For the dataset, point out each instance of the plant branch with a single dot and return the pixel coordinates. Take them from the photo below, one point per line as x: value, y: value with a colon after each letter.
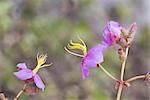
x: 136, y: 78
x: 123, y: 64
x: 122, y: 74
x: 22, y: 90
x: 105, y: 71
x: 119, y: 92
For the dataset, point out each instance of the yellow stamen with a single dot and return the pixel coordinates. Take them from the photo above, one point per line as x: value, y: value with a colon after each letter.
x: 73, y: 53
x: 79, y: 46
x: 46, y: 65
x: 41, y: 59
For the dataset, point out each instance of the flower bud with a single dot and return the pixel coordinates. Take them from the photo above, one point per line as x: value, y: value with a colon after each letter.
x: 124, y: 32
x: 111, y: 33
x: 132, y: 30
x: 122, y: 42
x: 31, y: 89
x: 121, y: 54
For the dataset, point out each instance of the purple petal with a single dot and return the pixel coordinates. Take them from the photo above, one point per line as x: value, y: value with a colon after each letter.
x: 22, y: 65
x: 111, y: 32
x: 115, y: 28
x: 24, y: 74
x: 114, y: 24
x: 94, y: 56
x: 39, y: 83
x: 85, y: 72
x: 107, y: 38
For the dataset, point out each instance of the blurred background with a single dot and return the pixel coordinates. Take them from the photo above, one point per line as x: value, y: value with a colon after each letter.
x: 46, y: 26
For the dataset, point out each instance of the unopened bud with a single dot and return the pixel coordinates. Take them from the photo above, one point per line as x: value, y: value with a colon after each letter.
x: 124, y: 32
x: 132, y: 30
x: 31, y: 90
x: 121, y: 54
x: 122, y: 42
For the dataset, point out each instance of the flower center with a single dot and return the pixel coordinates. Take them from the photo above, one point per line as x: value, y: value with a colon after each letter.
x: 41, y: 59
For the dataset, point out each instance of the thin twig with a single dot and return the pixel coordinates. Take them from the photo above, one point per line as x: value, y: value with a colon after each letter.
x: 105, y: 71
x: 123, y: 64
x: 122, y: 75
x: 22, y: 90
x: 136, y: 78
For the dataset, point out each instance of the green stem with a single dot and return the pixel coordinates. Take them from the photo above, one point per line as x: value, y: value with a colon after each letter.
x: 105, y: 71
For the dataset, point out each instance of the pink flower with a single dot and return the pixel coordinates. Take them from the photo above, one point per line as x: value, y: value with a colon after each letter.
x: 93, y: 57
x: 26, y: 74
x: 111, y: 33
x: 90, y: 58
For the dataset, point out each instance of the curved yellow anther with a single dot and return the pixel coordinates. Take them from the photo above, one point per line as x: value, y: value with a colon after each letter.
x: 73, y: 53
x: 79, y: 46
x: 41, y: 59
x: 82, y: 41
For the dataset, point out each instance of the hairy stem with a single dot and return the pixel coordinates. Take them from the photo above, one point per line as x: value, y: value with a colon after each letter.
x: 22, y: 90
x: 105, y: 71
x: 122, y: 75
